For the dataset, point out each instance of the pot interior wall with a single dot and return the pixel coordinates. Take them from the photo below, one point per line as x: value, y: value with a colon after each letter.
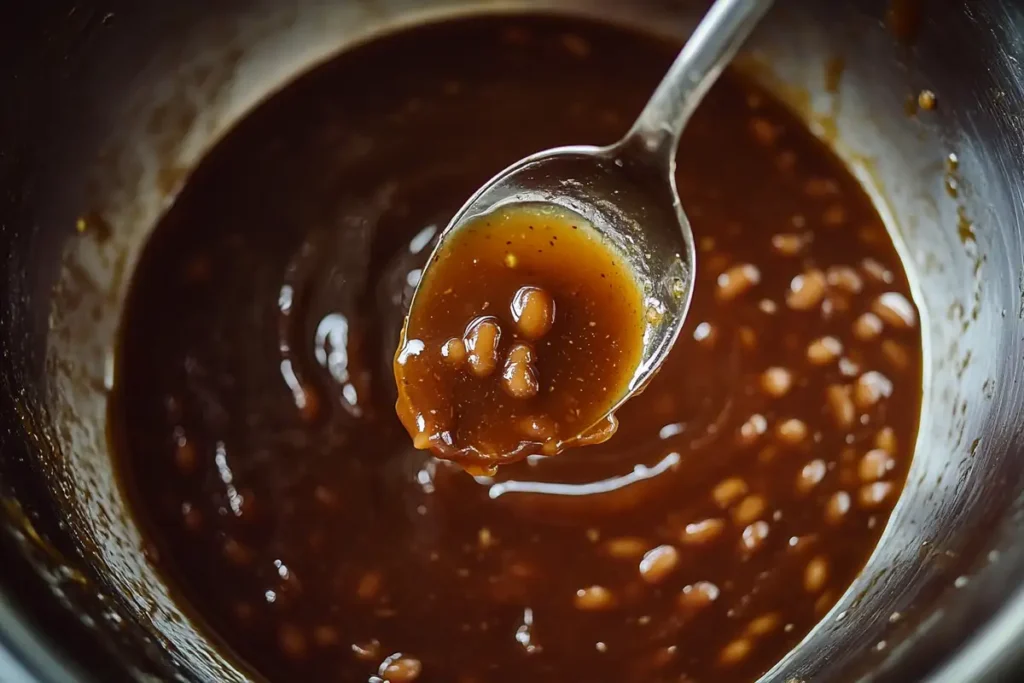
x: 152, y: 91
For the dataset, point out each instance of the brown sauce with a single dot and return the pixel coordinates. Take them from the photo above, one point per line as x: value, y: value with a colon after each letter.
x: 254, y: 414
x: 527, y: 330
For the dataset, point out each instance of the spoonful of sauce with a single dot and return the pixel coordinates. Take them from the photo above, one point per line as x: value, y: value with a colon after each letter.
x: 558, y: 289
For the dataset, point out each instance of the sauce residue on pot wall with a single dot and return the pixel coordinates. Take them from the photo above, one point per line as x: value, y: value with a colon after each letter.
x: 254, y: 409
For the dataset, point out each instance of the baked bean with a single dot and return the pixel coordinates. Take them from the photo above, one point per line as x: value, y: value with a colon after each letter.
x: 729, y: 491
x: 873, y: 495
x: 816, y: 575
x: 292, y: 641
x: 754, y: 427
x: 511, y: 261
x: 754, y: 536
x: 594, y: 598
x: 705, y: 335
x: 837, y: 507
x: 786, y: 160
x: 820, y: 187
x: 749, y: 510
x: 705, y: 531
x: 735, y: 652
x: 834, y: 304
x: 896, y: 354
x: 806, y: 291
x: 895, y: 310
x: 533, y: 311
x: 824, y: 350
x: 886, y: 440
x: 840, y: 403
x: 867, y: 327
x: 763, y: 625
x: 798, y: 544
x: 791, y: 431
x: 870, y: 388
x: 875, y: 464
x: 833, y: 216
x: 659, y: 563
x: 519, y: 376
x: 370, y: 586
x: 788, y: 243
x: 848, y: 368
x: 626, y: 547
x: 811, y: 475
x: 767, y: 306
x: 776, y: 382
x: 767, y: 453
x: 845, y: 279
x: 764, y: 131
x: 402, y: 670
x: 824, y: 602
x: 698, y: 595
x: 454, y: 351
x: 481, y: 343
x: 876, y: 271
x: 737, y: 280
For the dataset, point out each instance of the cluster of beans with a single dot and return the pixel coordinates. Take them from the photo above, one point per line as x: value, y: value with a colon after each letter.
x: 533, y: 311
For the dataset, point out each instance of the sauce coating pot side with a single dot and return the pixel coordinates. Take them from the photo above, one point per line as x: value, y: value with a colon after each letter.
x: 107, y: 105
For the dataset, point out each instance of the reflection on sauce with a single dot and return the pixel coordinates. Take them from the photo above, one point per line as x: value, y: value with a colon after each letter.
x: 254, y: 403
x: 525, y: 333
x: 592, y: 488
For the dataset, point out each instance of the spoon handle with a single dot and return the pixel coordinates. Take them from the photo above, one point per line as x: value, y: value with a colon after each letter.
x: 713, y: 44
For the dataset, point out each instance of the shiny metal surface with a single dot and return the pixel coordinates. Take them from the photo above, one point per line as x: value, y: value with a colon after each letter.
x: 107, y: 106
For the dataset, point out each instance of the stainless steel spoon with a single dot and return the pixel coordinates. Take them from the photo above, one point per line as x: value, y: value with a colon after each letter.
x: 627, y: 191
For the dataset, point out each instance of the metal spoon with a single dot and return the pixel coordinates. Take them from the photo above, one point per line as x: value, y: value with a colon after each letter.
x: 627, y: 191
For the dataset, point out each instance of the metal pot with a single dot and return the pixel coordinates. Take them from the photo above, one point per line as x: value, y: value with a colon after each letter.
x: 105, y: 106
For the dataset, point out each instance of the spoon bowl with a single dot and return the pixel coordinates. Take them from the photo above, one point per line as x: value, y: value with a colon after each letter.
x: 627, y: 191
x: 631, y: 201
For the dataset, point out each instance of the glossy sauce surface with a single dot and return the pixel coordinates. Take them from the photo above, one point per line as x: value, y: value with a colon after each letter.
x: 526, y: 331
x: 254, y: 413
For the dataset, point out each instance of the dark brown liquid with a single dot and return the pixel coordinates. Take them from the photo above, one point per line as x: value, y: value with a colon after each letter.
x: 580, y: 361
x: 255, y: 398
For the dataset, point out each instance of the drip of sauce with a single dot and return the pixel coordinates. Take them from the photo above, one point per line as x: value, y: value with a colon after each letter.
x: 526, y: 332
x: 253, y: 414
